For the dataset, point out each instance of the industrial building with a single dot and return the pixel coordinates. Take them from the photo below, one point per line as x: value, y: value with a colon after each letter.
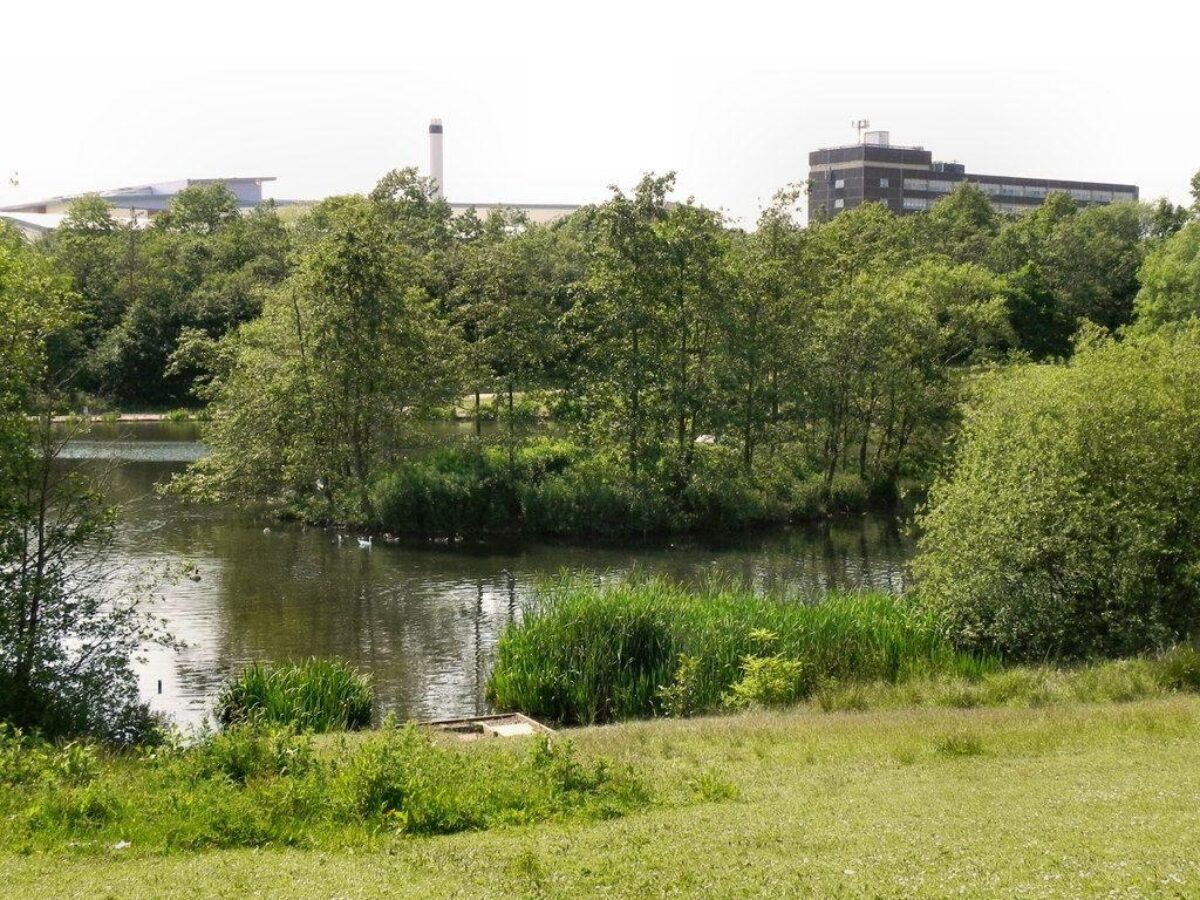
x: 139, y: 202
x: 908, y: 180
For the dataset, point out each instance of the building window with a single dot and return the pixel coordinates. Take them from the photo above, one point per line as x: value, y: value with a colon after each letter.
x: 940, y: 187
x: 839, y: 184
x: 1102, y: 196
x: 839, y: 203
x: 988, y: 188
x: 883, y: 182
x: 916, y: 184
x: 1081, y: 194
x: 915, y: 202
x: 1010, y: 190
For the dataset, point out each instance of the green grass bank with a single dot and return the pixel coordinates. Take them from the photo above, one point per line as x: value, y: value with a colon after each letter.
x: 1072, y: 800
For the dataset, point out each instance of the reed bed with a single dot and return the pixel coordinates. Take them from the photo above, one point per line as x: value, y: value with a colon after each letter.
x: 583, y: 654
x: 316, y: 695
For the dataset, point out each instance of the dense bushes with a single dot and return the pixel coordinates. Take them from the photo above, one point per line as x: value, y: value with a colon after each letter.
x: 583, y: 654
x: 1069, y: 525
x: 317, y: 695
x: 250, y: 786
x: 552, y: 488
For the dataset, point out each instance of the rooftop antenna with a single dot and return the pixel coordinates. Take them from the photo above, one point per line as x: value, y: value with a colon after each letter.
x: 860, y: 125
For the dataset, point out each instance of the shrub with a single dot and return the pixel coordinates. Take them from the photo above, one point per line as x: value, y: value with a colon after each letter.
x: 586, y: 654
x: 246, y: 751
x: 682, y: 697
x: 768, y: 681
x: 847, y: 493
x: 25, y: 760
x: 1069, y: 525
x: 318, y: 695
x: 400, y: 778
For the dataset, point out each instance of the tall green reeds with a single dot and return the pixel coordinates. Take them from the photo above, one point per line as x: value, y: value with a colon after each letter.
x: 587, y: 654
x: 317, y: 695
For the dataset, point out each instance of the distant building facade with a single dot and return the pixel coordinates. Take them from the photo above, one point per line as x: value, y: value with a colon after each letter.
x: 140, y: 201
x: 908, y: 180
x: 148, y: 198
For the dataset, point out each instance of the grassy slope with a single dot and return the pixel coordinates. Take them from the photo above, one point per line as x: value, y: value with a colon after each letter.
x: 1066, y: 800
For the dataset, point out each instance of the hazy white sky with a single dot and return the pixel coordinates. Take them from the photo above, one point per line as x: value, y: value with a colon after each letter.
x: 552, y: 102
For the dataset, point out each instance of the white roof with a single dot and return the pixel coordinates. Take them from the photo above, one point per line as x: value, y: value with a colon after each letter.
x: 34, y: 222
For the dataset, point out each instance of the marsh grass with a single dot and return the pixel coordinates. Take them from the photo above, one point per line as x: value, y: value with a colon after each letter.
x: 587, y: 654
x: 316, y: 695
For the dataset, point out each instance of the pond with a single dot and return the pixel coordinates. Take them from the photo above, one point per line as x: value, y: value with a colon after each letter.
x: 421, y: 619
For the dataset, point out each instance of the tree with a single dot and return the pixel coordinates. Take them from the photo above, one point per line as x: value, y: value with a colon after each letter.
x: 1170, y: 276
x: 1166, y: 218
x: 1069, y: 524
x: 202, y: 265
x: 961, y: 226
x: 645, y: 379
x: 65, y: 643
x: 504, y: 300
x: 882, y: 354
x: 758, y: 327
x: 311, y: 399
x: 1078, y: 265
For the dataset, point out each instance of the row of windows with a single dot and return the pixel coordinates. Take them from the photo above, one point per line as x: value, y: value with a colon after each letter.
x: 920, y: 203
x: 929, y: 184
x: 1036, y: 192
x: 1027, y: 191
x: 841, y: 183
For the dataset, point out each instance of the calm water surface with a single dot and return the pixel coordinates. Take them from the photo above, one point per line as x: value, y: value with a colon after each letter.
x: 421, y: 619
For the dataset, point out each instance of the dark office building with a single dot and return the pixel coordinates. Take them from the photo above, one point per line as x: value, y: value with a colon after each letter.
x: 908, y: 179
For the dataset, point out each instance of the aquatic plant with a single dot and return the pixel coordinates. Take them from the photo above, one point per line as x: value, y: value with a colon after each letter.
x: 316, y: 695
x: 585, y: 654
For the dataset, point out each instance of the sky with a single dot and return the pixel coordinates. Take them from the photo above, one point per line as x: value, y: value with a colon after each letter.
x: 554, y: 102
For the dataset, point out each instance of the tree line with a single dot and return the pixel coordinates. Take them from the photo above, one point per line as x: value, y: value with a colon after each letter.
x: 686, y: 359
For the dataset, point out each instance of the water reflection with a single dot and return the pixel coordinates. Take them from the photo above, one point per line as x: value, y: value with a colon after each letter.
x: 423, y: 620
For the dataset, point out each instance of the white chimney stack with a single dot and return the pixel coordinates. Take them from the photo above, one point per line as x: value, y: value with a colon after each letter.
x: 435, y: 157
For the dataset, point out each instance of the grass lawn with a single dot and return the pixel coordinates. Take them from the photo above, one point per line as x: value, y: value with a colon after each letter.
x: 1067, y: 800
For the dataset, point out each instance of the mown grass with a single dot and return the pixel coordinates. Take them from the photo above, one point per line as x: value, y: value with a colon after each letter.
x: 588, y: 654
x: 253, y: 787
x: 1072, y: 801
x: 315, y: 695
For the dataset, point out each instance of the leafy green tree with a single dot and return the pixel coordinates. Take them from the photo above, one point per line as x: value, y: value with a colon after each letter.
x: 314, y: 396
x: 504, y: 300
x: 65, y: 643
x: 961, y: 226
x: 758, y: 324
x: 199, y: 209
x: 1166, y: 218
x: 202, y: 265
x: 867, y: 236
x: 882, y: 355
x: 1069, y: 524
x: 1078, y: 264
x: 645, y: 380
x: 1170, y: 277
